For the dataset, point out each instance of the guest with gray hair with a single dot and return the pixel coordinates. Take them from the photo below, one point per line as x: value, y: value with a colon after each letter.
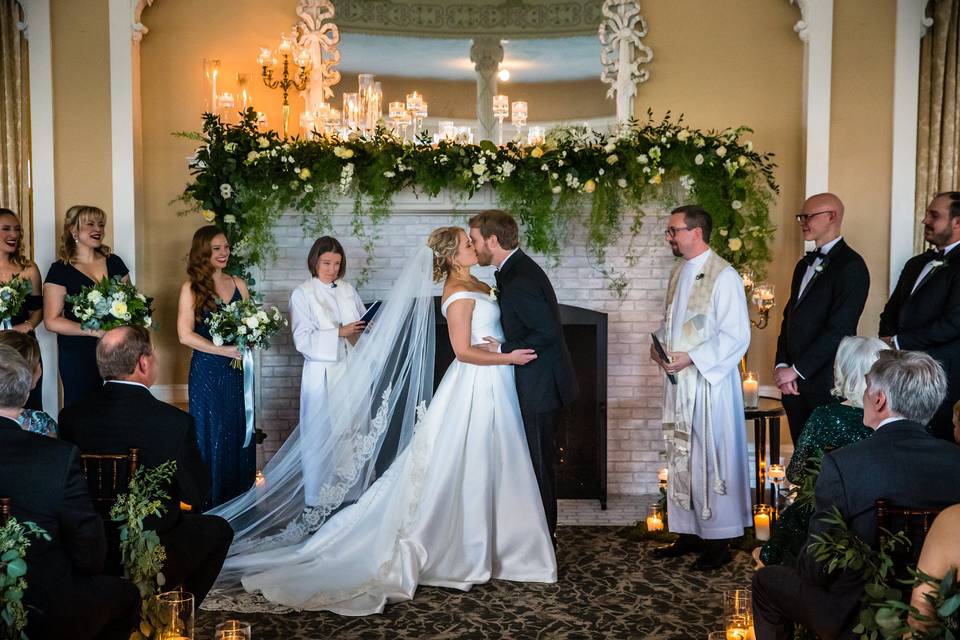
x: 829, y: 427
x: 901, y: 462
x: 122, y: 415
x: 33, y: 420
x: 67, y: 595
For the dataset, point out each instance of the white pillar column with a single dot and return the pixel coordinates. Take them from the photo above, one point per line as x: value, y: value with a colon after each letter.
x: 912, y: 23
x: 815, y: 29
x: 486, y: 53
x: 40, y: 46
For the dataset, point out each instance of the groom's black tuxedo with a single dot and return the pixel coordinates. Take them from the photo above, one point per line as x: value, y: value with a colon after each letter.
x: 814, y: 323
x: 928, y: 320
x: 531, y: 320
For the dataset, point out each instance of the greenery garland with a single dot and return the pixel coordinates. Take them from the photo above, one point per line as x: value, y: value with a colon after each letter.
x: 14, y: 541
x: 143, y: 555
x: 244, y: 179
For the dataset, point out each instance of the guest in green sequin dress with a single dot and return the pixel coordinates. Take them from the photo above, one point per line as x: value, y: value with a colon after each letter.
x: 830, y: 427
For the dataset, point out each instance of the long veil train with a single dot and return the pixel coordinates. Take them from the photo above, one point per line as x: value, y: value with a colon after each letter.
x: 374, y: 407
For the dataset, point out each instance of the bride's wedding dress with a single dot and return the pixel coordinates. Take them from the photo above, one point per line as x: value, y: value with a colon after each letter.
x: 457, y: 507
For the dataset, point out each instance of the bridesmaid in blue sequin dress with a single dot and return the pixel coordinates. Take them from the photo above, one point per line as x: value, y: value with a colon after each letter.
x: 13, y: 263
x: 84, y: 261
x: 215, y: 386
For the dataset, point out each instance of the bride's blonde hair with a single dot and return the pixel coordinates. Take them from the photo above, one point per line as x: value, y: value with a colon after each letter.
x: 444, y: 242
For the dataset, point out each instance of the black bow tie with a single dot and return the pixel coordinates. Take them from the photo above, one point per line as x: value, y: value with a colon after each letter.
x: 934, y: 254
x: 811, y: 256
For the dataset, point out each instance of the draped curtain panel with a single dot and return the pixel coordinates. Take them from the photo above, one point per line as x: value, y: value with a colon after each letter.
x: 938, y: 126
x: 14, y: 114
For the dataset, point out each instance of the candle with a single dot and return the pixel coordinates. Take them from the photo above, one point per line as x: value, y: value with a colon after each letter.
x: 747, y: 279
x: 501, y: 106
x: 654, y: 523
x: 662, y: 474
x: 776, y: 472
x: 265, y: 57
x: 751, y: 390
x: 413, y: 101
x: 761, y: 526
x: 286, y: 45
x: 736, y: 633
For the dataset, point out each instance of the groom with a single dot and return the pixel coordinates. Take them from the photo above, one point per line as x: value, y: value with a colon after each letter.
x: 531, y: 320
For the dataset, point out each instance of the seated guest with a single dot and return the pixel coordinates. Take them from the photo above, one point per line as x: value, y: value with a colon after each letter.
x: 66, y: 596
x: 26, y: 345
x: 123, y: 415
x: 939, y: 556
x: 900, y: 462
x: 830, y: 426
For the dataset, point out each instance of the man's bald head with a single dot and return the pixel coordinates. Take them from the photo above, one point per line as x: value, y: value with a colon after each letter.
x: 125, y: 353
x: 821, y: 218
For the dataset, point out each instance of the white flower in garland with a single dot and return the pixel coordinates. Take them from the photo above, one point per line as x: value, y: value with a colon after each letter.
x: 687, y: 183
x: 683, y: 135
x: 612, y: 159
x: 479, y: 168
x: 654, y: 153
x: 723, y: 232
x: 642, y: 159
x: 699, y: 142
x: 736, y: 205
x: 721, y: 151
x: 346, y: 177
x: 230, y: 147
x: 343, y: 152
x: 610, y: 147
x: 622, y: 183
x: 252, y: 157
x: 308, y: 188
x: 230, y: 219
x: 263, y: 142
x: 507, y: 168
x: 735, y: 244
x: 226, y: 191
x: 557, y: 189
x: 698, y: 159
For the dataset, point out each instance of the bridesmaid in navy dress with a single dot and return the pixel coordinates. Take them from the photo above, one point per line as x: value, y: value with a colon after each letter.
x: 84, y: 261
x: 216, y: 387
x: 14, y: 263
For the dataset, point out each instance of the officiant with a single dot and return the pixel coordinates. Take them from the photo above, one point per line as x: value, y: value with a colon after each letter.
x: 705, y: 334
x: 325, y: 314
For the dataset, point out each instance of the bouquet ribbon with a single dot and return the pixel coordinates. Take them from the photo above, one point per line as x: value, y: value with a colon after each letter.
x: 6, y: 324
x: 248, y: 407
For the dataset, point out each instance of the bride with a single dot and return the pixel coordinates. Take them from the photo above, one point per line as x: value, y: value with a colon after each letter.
x: 457, y: 506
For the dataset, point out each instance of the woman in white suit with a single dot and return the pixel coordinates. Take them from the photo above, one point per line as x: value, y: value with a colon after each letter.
x: 325, y: 316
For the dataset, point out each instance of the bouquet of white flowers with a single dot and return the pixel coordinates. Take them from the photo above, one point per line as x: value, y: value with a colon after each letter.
x: 246, y: 324
x: 110, y: 304
x: 12, y: 295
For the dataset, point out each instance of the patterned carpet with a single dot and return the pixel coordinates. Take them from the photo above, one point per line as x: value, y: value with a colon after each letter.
x: 609, y: 588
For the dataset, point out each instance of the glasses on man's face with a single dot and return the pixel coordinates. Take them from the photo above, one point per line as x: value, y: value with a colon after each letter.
x: 805, y: 217
x: 671, y: 232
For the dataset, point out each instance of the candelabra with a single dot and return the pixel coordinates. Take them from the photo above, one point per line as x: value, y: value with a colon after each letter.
x: 287, y: 51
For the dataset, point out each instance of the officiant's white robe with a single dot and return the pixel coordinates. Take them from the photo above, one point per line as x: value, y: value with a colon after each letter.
x: 317, y: 311
x: 716, y: 360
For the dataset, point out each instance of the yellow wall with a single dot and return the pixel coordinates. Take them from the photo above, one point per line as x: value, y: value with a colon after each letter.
x: 861, y: 137
x: 81, y: 106
x: 721, y: 64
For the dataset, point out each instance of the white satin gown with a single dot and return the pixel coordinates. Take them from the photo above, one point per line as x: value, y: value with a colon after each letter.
x: 458, y: 507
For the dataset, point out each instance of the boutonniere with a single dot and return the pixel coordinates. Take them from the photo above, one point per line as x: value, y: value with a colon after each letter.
x: 699, y: 276
x: 936, y: 264
x: 494, y: 294
x: 823, y: 265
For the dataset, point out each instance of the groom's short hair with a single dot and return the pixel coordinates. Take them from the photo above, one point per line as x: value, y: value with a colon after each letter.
x: 697, y: 217
x: 496, y: 222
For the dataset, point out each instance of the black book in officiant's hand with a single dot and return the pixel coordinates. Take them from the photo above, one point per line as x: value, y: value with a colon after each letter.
x: 663, y: 356
x: 372, y: 311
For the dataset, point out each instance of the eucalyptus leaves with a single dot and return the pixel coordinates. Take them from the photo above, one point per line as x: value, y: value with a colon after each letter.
x: 244, y: 179
x: 14, y: 540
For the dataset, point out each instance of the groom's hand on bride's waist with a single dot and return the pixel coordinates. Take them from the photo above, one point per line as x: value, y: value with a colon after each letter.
x: 489, y: 344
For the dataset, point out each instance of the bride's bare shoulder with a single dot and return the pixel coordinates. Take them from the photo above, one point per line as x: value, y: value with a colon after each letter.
x: 452, y: 287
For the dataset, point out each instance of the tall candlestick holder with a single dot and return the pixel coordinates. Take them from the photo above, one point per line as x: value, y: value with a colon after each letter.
x: 501, y: 109
x: 290, y: 55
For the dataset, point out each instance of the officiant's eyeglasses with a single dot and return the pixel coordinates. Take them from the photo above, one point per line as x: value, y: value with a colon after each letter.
x: 672, y: 231
x: 804, y: 217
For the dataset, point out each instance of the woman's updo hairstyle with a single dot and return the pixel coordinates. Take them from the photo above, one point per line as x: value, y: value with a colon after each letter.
x: 444, y: 242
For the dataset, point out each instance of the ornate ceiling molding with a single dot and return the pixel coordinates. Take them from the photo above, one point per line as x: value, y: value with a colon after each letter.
x: 464, y: 19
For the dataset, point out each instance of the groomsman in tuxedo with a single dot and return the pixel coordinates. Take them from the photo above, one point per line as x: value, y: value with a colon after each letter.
x: 923, y: 313
x: 67, y: 596
x: 530, y: 317
x: 900, y: 462
x: 122, y: 415
x: 827, y: 296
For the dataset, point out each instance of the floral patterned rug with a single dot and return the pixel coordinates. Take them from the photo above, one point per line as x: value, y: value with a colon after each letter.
x: 609, y: 587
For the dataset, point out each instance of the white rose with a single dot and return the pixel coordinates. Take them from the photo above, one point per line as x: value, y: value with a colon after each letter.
x: 252, y: 157
x: 230, y: 219
x: 118, y: 309
x: 735, y: 244
x: 252, y: 322
x: 683, y: 135
x: 698, y: 159
x: 217, y: 340
x: 226, y: 190
x: 721, y: 151
x: 622, y: 183
x: 556, y: 189
x: 263, y: 142
x: 479, y: 168
x: 642, y: 159
x: 736, y: 205
x: 242, y: 330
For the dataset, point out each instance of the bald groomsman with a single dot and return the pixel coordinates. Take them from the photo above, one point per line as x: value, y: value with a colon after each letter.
x: 827, y: 296
x: 923, y: 313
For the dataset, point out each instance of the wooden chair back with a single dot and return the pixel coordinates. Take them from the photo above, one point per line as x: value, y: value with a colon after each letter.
x: 914, y: 522
x: 4, y: 511
x: 108, y: 475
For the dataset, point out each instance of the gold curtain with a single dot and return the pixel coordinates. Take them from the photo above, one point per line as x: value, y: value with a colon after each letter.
x: 938, y: 124
x: 14, y: 114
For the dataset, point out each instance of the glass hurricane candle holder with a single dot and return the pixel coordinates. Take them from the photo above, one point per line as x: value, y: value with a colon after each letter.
x: 535, y: 136
x: 654, y: 519
x: 176, y: 613
x: 518, y: 114
x: 501, y: 109
x: 351, y: 111
x: 233, y: 630
x: 762, y: 521
x: 751, y: 390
